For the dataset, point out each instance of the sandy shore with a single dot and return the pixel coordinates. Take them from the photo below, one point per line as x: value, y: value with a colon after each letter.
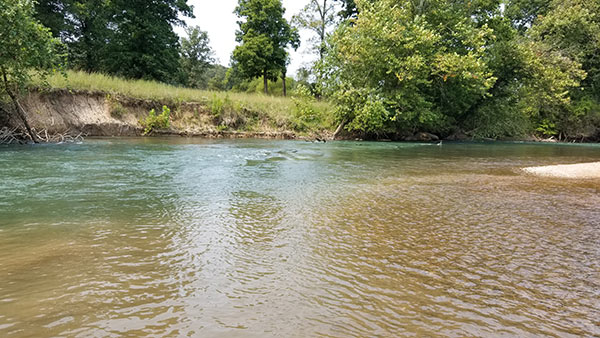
x: 582, y: 170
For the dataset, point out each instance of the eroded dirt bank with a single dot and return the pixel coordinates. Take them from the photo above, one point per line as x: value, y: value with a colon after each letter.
x: 100, y: 114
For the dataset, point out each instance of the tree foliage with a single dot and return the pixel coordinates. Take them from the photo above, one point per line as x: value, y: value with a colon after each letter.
x: 349, y: 9
x: 28, y: 50
x: 489, y: 68
x: 318, y: 16
x: 264, y: 35
x: 130, y: 38
x: 196, y: 57
x: 571, y: 30
x: 396, y: 69
x: 144, y: 45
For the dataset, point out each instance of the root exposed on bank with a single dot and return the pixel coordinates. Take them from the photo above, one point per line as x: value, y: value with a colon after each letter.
x: 17, y: 136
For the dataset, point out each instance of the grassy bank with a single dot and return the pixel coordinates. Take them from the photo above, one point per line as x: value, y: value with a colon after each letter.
x: 300, y: 115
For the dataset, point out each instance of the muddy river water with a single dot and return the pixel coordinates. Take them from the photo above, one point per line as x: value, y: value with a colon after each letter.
x: 263, y: 238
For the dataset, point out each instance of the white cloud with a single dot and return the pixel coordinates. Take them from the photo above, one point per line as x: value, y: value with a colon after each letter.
x: 217, y: 18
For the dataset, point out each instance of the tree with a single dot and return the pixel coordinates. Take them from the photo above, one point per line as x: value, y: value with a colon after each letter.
x: 52, y: 14
x: 144, y: 45
x: 216, y: 76
x: 196, y: 57
x: 130, y: 38
x: 87, y: 33
x: 263, y: 35
x: 83, y: 25
x: 444, y: 66
x: 318, y: 16
x: 401, y: 68
x: 523, y: 13
x: 28, y: 50
x: 571, y: 29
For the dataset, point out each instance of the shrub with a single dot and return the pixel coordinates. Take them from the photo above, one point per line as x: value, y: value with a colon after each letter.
x: 304, y: 113
x: 154, y: 121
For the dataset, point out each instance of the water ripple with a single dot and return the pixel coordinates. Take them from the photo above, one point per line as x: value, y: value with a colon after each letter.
x: 263, y: 238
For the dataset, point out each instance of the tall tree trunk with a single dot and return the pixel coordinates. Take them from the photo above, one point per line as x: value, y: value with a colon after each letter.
x: 323, y: 28
x: 18, y: 109
x: 284, y: 86
x: 21, y: 113
x: 266, y: 82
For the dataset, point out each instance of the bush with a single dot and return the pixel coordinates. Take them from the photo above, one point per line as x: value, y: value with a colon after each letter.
x: 305, y: 116
x: 154, y: 121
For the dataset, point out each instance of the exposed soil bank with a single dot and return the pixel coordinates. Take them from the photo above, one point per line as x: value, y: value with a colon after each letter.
x: 99, y: 114
x: 580, y: 171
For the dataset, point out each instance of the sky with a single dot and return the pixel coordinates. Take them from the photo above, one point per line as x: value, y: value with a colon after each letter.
x: 217, y: 18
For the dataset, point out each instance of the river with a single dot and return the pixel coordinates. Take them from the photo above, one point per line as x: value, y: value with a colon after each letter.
x: 260, y: 238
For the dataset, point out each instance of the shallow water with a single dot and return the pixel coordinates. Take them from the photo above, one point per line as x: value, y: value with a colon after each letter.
x: 251, y: 238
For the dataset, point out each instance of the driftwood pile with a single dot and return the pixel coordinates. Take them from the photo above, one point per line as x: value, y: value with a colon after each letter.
x: 10, y: 136
x: 17, y: 136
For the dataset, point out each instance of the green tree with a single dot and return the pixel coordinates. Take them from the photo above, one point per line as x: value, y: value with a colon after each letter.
x: 83, y: 25
x: 401, y: 67
x: 523, y: 13
x: 263, y: 35
x: 28, y: 50
x: 144, y: 45
x: 196, y: 57
x: 52, y: 14
x: 571, y: 29
x: 216, y: 76
x: 443, y: 66
x: 318, y: 17
x: 87, y: 33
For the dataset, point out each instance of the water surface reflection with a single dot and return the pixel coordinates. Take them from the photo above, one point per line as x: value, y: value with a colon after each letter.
x: 274, y: 238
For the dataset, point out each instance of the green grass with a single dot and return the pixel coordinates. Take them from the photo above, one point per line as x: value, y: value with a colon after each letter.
x: 279, y: 109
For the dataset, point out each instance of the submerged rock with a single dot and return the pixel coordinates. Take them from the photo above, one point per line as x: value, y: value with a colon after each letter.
x: 423, y: 136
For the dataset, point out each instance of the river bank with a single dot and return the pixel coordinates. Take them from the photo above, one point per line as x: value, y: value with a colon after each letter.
x: 96, y: 113
x: 101, y: 105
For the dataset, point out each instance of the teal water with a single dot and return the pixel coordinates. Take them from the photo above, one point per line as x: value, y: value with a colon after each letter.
x: 260, y: 238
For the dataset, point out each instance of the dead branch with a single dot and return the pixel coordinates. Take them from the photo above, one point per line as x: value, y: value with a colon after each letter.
x: 17, y: 136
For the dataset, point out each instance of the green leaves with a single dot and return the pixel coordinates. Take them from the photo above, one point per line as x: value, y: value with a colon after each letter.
x: 196, y: 57
x: 414, y: 76
x: 144, y: 45
x: 153, y: 121
x: 129, y: 38
x: 487, y: 67
x: 264, y: 35
x: 28, y: 48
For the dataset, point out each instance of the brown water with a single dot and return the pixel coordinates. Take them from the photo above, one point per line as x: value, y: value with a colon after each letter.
x: 249, y: 238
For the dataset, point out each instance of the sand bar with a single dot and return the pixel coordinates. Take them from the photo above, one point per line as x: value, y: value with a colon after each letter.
x: 581, y: 170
